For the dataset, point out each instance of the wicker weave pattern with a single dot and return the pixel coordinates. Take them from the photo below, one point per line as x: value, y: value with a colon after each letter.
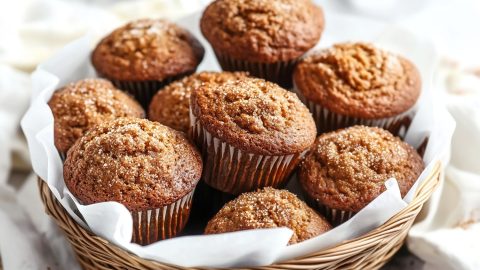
x: 369, y: 251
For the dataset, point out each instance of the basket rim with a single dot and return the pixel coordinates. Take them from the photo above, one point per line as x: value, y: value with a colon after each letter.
x: 422, y: 194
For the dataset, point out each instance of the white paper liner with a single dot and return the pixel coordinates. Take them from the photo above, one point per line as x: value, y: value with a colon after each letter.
x: 113, y: 221
x: 231, y: 170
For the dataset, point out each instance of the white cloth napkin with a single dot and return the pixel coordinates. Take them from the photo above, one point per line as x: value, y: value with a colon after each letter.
x: 448, y: 236
x: 14, y: 96
x: 33, y: 30
x: 27, y: 236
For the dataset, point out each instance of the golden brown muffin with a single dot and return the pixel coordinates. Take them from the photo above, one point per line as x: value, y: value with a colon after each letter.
x: 359, y: 80
x: 81, y: 105
x: 262, y: 30
x: 269, y: 208
x: 138, y: 163
x: 346, y: 169
x: 170, y: 106
x: 255, y: 116
x: 264, y: 37
x: 146, y: 50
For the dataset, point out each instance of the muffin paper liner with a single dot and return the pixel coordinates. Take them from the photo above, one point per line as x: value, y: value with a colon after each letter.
x: 231, y: 170
x: 334, y: 216
x: 327, y: 121
x: 149, y: 226
x: 143, y: 91
x: 277, y: 72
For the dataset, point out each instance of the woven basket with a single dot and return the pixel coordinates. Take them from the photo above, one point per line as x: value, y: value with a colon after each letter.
x: 369, y: 251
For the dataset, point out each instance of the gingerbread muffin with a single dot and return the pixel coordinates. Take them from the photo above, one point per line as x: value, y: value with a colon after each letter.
x: 144, y: 55
x: 263, y: 37
x: 358, y: 83
x: 150, y: 168
x: 170, y: 106
x: 81, y: 105
x: 269, y: 208
x: 252, y: 133
x: 347, y: 169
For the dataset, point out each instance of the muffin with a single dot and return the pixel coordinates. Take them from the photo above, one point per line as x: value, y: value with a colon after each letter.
x: 269, y: 208
x: 347, y: 169
x: 81, y: 105
x: 252, y: 133
x: 170, y: 105
x: 144, y: 55
x: 357, y: 83
x: 149, y: 168
x: 263, y: 37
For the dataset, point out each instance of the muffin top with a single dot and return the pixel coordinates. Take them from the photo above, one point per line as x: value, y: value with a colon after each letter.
x: 358, y: 79
x: 170, y: 106
x: 255, y: 116
x: 138, y: 163
x: 262, y: 30
x: 147, y: 50
x: 83, y: 104
x: 269, y: 208
x: 346, y: 169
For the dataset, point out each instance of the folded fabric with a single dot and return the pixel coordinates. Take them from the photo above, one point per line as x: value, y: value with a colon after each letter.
x: 448, y: 235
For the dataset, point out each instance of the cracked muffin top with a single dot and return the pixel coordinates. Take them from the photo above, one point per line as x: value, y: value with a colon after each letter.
x: 346, y: 169
x: 147, y: 49
x: 262, y: 30
x: 269, y: 208
x: 360, y: 80
x: 81, y: 105
x: 138, y: 163
x: 255, y: 116
x: 170, y: 106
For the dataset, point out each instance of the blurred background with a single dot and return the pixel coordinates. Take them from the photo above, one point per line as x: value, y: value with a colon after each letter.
x: 32, y: 30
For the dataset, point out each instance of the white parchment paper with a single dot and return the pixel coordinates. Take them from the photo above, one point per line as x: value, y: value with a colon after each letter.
x: 112, y: 220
